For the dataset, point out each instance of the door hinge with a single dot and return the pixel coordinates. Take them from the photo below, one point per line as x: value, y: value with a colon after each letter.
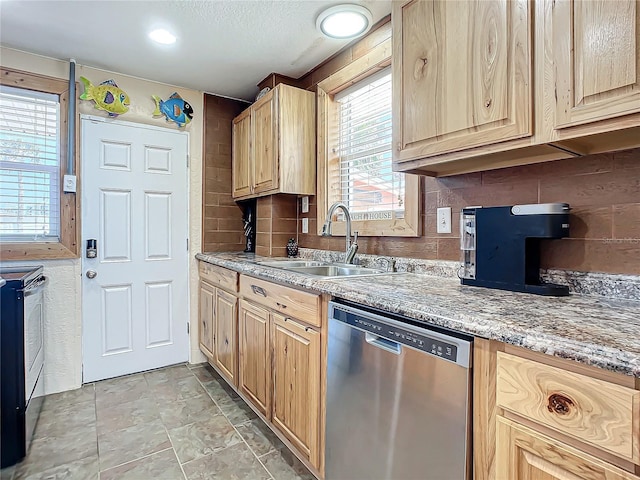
x: 187, y: 244
x: 188, y: 160
x: 187, y: 327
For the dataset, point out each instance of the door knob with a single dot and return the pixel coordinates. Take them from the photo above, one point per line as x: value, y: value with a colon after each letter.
x: 92, y: 274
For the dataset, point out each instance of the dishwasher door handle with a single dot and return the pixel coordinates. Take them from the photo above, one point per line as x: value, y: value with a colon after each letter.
x: 383, y: 343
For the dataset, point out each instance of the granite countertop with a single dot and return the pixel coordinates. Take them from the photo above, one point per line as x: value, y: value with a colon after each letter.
x: 589, y: 329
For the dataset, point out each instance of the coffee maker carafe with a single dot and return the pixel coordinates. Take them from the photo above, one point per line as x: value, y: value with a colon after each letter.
x: 501, y: 245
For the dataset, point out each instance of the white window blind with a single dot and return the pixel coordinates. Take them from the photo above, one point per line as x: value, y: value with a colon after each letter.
x: 29, y: 166
x: 368, y: 186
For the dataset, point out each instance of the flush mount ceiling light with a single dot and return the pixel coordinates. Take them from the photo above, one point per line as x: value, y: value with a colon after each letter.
x: 344, y: 21
x: 162, y: 36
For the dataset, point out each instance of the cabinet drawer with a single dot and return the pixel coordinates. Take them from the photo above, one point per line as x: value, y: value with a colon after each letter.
x: 220, y: 277
x: 304, y: 306
x: 593, y: 411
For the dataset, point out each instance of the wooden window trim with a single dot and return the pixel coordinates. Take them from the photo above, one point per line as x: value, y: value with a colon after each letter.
x: 375, y: 60
x: 67, y: 247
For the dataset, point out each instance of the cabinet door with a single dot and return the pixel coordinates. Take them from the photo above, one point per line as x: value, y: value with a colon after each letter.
x: 254, y: 372
x: 241, y: 154
x: 265, y: 124
x: 296, y: 384
x: 523, y: 454
x: 225, y: 333
x: 461, y: 75
x: 207, y: 302
x: 596, y: 56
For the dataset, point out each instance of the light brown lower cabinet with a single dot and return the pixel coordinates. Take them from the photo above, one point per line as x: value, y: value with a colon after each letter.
x: 218, y: 318
x: 280, y: 347
x: 296, y: 384
x: 225, y: 333
x: 538, y: 417
x: 254, y: 379
x: 524, y: 454
x: 268, y: 344
x: 207, y: 302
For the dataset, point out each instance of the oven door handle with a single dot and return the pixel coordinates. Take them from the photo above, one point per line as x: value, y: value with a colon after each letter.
x: 35, y: 286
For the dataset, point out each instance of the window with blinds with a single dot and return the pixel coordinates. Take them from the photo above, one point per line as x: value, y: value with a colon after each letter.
x: 29, y: 166
x: 361, y: 175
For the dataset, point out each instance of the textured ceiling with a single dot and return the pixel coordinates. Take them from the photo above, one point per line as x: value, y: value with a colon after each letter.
x: 224, y: 46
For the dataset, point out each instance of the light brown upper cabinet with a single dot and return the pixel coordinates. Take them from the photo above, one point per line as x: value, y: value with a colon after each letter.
x: 596, y: 53
x: 461, y: 75
x: 274, y: 145
x: 242, y: 154
x: 485, y: 84
x: 265, y: 139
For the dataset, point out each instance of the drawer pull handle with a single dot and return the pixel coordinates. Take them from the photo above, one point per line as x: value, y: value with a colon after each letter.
x: 281, y: 305
x: 258, y: 290
x: 559, y: 404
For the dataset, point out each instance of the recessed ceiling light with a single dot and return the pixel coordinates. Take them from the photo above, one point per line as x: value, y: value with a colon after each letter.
x: 162, y: 36
x: 344, y: 21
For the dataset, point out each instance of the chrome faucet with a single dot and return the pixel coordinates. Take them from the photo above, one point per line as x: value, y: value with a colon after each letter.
x: 351, y: 247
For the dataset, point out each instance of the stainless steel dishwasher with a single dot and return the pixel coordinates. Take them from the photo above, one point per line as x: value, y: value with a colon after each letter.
x: 398, y: 399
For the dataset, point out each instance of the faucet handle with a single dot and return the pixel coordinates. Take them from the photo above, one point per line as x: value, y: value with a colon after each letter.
x: 355, y: 238
x: 391, y: 264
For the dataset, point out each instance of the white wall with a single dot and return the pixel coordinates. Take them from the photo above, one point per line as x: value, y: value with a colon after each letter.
x: 63, y: 328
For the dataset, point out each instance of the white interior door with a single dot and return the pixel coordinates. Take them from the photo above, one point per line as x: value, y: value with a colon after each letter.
x: 134, y: 203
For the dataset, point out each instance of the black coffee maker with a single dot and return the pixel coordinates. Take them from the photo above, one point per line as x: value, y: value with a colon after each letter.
x: 501, y: 245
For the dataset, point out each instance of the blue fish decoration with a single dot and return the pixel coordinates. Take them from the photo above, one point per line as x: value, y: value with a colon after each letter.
x: 175, y: 109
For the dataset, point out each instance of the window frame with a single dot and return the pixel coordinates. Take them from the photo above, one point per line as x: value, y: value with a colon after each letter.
x: 375, y: 60
x: 67, y: 246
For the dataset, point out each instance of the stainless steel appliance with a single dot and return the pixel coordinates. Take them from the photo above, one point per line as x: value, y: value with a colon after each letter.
x: 501, y: 245
x: 21, y: 358
x: 398, y: 398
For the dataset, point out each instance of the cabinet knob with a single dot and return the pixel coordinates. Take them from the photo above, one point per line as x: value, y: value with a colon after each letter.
x: 258, y: 290
x: 558, y: 403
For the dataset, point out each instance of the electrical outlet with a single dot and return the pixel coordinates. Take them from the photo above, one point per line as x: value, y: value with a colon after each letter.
x: 444, y: 220
x: 69, y: 183
x: 305, y: 225
x: 305, y: 205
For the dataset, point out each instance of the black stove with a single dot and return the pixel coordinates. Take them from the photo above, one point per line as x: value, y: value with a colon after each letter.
x: 21, y: 358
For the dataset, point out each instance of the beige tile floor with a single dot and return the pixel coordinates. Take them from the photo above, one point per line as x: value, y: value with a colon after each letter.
x: 180, y: 422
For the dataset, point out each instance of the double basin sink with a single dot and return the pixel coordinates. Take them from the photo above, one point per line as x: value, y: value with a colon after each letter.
x: 321, y: 269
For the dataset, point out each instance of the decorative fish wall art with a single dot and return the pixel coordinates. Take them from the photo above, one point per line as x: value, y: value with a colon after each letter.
x: 175, y: 109
x: 107, y: 96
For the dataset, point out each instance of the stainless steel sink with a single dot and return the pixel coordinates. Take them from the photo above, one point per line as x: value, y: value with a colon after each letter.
x: 321, y: 269
x: 336, y: 270
x: 286, y: 264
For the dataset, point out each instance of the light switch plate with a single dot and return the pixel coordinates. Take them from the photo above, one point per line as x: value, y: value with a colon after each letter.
x: 305, y: 225
x: 69, y: 183
x: 444, y: 220
x: 304, y: 208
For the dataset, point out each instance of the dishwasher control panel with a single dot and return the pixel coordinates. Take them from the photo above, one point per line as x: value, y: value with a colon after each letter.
x: 396, y: 333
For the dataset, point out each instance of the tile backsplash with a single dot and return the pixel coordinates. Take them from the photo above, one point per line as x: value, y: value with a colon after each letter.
x: 603, y: 191
x: 222, y: 227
